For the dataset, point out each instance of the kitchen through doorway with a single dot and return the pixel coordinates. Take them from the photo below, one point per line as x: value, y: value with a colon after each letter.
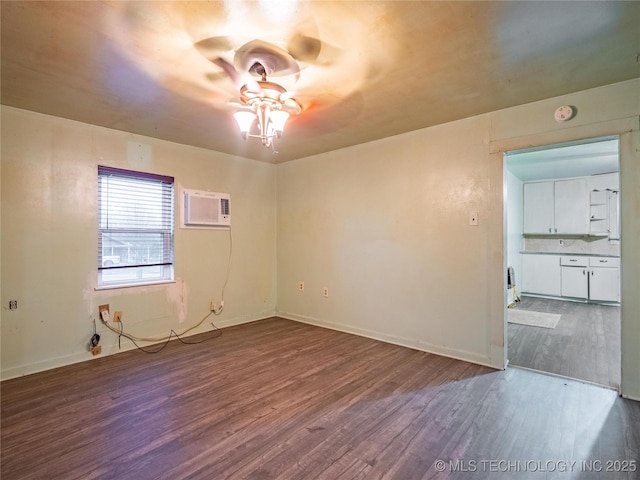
x: 563, y: 255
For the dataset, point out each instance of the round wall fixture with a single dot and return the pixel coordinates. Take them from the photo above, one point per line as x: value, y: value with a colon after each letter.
x: 564, y: 113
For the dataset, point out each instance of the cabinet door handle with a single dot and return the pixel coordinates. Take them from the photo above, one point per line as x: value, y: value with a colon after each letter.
x: 604, y: 261
x: 573, y: 259
x: 549, y: 229
x: 584, y: 272
x: 592, y: 273
x: 555, y: 230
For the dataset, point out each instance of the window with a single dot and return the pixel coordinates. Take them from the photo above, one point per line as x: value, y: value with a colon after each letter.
x: 135, y: 228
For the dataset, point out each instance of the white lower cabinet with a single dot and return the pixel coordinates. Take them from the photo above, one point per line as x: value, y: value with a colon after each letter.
x: 574, y: 281
x: 541, y: 274
x: 579, y: 277
x: 604, y: 279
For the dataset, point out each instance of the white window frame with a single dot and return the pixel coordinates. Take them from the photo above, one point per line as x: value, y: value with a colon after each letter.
x: 135, y: 228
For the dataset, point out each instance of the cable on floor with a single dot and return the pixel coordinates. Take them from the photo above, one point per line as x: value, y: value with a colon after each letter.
x: 165, y: 340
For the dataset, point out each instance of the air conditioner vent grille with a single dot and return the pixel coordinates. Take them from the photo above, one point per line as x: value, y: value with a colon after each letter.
x: 206, y: 209
x: 224, y: 205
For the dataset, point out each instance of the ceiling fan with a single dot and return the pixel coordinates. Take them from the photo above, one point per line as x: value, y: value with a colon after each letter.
x: 262, y: 101
x: 267, y: 102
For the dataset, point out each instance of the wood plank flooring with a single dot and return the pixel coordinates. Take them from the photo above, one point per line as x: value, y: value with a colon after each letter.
x: 585, y: 345
x: 277, y: 399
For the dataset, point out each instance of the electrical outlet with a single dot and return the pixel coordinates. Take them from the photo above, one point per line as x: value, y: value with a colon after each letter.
x: 117, y: 317
x: 13, y: 304
x: 217, y: 309
x: 301, y: 286
x: 325, y: 292
x: 104, y: 313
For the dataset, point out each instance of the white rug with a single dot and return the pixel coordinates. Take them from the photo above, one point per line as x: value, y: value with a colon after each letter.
x: 533, y: 319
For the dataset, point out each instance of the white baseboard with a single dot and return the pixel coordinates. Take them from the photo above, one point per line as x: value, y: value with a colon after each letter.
x: 395, y: 339
x: 631, y: 397
x: 113, y: 348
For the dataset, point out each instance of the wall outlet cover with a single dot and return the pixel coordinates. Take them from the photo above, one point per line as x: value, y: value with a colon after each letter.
x: 104, y: 312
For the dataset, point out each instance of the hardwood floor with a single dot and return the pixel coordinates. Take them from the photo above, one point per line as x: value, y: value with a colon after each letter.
x: 277, y: 399
x: 585, y: 345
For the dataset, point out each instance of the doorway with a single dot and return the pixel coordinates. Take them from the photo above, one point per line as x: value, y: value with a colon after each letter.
x: 562, y: 226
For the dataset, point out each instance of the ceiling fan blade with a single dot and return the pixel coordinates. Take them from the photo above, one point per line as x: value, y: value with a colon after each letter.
x: 213, y: 47
x: 304, y: 48
x: 236, y: 77
x: 215, y: 76
x: 236, y: 105
x: 275, y: 60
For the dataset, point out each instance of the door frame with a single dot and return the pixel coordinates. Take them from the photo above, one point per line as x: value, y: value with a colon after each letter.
x: 580, y: 279
x: 628, y: 131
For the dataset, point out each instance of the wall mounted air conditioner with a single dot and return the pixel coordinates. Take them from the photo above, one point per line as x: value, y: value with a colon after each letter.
x: 206, y: 209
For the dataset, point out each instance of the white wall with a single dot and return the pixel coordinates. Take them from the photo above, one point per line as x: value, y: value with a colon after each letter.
x: 49, y: 241
x: 385, y: 227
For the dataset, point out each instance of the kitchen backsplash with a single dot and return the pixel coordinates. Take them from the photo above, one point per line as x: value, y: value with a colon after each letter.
x: 585, y: 245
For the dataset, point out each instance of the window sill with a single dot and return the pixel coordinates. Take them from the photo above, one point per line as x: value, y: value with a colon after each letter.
x: 131, y: 285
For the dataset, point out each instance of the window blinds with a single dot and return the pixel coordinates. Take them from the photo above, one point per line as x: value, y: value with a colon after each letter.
x: 135, y: 219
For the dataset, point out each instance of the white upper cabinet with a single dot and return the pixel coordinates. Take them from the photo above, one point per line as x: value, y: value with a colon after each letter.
x: 556, y: 207
x: 538, y: 212
x: 571, y: 207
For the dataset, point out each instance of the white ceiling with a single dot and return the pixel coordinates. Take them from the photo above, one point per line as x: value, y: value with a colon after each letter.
x: 565, y: 161
x: 369, y: 69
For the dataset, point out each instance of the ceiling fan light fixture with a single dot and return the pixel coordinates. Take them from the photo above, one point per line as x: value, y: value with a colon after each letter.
x: 269, y: 103
x: 244, y: 119
x: 278, y: 120
x: 272, y: 115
